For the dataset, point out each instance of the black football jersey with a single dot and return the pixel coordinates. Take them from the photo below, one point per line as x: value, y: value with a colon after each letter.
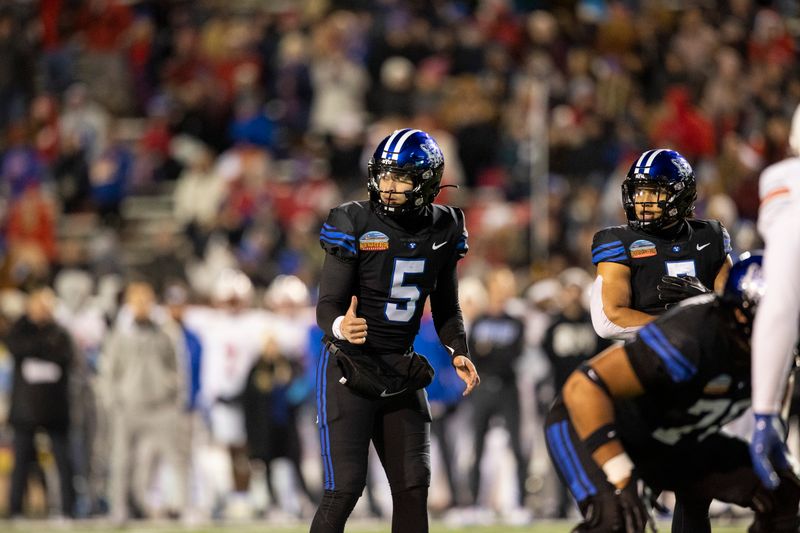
x: 397, y: 269
x: 699, y: 251
x: 495, y: 343
x: 568, y: 342
x: 695, y: 374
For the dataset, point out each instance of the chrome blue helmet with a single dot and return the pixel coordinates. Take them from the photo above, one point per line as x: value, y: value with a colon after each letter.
x: 415, y: 154
x: 746, y: 285
x: 672, y: 176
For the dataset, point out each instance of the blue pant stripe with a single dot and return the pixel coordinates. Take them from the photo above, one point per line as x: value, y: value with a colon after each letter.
x: 584, y: 477
x: 554, y: 437
x: 322, y: 415
x: 331, y: 483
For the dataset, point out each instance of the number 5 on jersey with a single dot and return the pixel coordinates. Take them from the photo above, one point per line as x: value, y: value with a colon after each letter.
x: 403, y: 312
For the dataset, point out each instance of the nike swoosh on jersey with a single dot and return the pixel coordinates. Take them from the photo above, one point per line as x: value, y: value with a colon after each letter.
x: 436, y: 246
x: 384, y: 394
x: 701, y: 247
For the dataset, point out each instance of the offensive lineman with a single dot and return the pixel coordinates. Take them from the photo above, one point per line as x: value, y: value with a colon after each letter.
x: 384, y: 257
x: 653, y: 410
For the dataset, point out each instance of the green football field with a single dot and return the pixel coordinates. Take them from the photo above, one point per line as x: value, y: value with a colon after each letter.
x: 265, y: 527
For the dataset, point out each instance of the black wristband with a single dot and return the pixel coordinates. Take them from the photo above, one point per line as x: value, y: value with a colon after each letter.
x: 602, y: 435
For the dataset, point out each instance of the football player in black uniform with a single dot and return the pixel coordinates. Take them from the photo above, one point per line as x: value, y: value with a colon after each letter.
x: 384, y: 257
x: 653, y: 410
x: 662, y: 256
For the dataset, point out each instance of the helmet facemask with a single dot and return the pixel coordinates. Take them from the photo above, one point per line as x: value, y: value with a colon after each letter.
x: 424, y: 188
x: 653, y: 203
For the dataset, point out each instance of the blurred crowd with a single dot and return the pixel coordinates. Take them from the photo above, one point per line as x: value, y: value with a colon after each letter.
x: 250, y: 120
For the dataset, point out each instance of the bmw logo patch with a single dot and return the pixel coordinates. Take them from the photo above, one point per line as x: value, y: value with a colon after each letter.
x: 412, y: 245
x: 676, y: 248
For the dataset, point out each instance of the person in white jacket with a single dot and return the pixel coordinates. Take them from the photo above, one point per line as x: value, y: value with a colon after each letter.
x: 775, y: 332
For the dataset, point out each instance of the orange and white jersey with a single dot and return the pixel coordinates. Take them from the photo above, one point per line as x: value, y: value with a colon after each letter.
x: 776, y: 325
x: 779, y: 192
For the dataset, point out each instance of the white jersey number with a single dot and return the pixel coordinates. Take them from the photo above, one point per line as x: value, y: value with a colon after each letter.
x: 403, y: 312
x: 713, y: 415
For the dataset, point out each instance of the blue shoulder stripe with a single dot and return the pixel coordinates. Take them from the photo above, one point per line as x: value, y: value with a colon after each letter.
x: 338, y: 242
x: 678, y: 366
x: 332, y: 231
x: 606, y: 245
x: 615, y: 259
x: 338, y: 235
x: 603, y: 256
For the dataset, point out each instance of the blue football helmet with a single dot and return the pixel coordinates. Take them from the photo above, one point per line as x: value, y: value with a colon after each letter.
x: 668, y: 173
x: 414, y: 154
x: 746, y: 285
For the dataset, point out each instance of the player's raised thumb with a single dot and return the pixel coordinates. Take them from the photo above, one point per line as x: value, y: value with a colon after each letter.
x: 353, y: 305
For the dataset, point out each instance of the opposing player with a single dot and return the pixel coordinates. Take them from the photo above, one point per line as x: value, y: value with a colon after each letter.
x: 663, y: 255
x: 775, y: 332
x: 384, y: 257
x: 653, y: 409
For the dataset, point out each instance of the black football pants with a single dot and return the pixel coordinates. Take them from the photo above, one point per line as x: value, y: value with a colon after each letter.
x: 398, y: 426
x: 718, y: 467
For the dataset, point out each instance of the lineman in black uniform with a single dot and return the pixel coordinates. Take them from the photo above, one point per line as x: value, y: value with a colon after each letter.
x: 662, y: 256
x: 383, y: 259
x: 653, y: 410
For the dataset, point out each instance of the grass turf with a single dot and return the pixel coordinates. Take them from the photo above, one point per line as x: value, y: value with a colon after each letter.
x: 265, y: 527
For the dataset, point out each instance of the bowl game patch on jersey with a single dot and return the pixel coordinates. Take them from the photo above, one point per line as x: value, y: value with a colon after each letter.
x: 373, y: 241
x: 642, y: 248
x: 718, y: 385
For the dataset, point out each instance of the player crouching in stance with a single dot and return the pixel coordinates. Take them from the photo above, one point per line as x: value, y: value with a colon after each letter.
x: 653, y: 410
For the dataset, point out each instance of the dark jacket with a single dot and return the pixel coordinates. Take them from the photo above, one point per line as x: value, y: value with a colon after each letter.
x: 40, y: 390
x: 270, y: 419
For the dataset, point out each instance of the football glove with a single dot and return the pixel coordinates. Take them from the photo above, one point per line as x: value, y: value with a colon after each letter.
x: 633, y: 511
x: 768, y: 449
x: 673, y: 289
x: 622, y: 511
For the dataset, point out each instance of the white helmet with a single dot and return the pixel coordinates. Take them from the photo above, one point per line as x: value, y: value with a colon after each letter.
x: 286, y: 290
x: 232, y: 284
